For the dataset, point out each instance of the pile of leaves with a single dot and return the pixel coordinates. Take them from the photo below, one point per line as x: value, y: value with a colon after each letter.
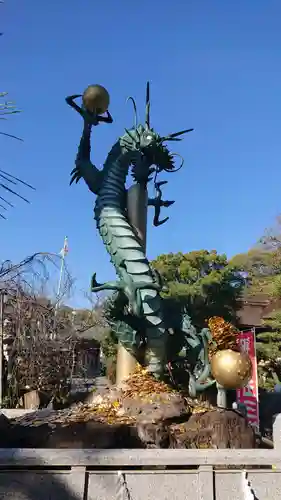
x: 143, y: 384
x: 224, y: 335
x: 109, y: 408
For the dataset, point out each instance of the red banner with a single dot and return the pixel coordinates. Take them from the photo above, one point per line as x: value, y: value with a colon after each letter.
x: 249, y: 395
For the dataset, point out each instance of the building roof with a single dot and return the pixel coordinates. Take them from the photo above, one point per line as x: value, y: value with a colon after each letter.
x: 96, y: 333
x: 254, y: 309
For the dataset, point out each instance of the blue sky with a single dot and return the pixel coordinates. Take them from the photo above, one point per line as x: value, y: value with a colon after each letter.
x: 213, y: 65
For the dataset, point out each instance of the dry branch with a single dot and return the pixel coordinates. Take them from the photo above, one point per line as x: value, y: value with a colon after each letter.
x: 41, y: 344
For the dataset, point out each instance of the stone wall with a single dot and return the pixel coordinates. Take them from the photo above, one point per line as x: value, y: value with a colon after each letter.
x: 141, y: 474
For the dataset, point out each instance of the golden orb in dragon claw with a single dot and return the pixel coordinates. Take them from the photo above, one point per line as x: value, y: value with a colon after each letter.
x: 96, y: 99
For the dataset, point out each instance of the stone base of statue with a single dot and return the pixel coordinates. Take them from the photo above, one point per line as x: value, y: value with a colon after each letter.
x: 143, y: 413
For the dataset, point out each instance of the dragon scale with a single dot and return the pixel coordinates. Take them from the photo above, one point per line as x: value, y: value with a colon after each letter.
x: 126, y: 251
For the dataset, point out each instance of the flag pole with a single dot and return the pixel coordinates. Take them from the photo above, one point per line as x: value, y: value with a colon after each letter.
x: 63, y: 253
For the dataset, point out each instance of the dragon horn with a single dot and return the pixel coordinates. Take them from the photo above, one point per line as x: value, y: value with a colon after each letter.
x: 161, y: 183
x: 147, y: 107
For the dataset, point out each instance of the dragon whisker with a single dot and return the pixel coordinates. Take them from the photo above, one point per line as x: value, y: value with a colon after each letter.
x: 135, y: 110
x: 171, y: 139
x: 178, y: 168
x: 176, y: 134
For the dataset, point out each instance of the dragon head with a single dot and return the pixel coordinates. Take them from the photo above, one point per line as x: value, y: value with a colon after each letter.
x: 151, y: 152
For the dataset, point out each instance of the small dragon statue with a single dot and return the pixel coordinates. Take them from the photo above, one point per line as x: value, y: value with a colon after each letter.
x: 144, y: 151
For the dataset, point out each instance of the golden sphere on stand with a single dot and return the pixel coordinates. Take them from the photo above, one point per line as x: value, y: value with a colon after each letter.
x: 96, y: 99
x: 231, y: 369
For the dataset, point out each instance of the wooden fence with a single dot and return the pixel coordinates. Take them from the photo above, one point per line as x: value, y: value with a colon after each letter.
x: 64, y: 474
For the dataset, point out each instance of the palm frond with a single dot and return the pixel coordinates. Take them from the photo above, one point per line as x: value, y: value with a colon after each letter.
x: 6, y: 180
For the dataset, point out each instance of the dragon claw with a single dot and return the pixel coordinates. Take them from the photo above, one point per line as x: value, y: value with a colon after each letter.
x: 168, y: 203
x: 196, y: 387
x: 158, y: 203
x: 91, y: 118
x: 110, y: 285
x: 158, y: 222
x: 75, y: 175
x: 94, y: 282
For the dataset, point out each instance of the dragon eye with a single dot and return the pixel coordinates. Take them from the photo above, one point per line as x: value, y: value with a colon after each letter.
x: 149, y: 137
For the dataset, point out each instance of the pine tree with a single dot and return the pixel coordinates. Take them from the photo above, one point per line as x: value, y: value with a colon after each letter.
x: 203, y: 281
x: 269, y: 344
x: 269, y: 352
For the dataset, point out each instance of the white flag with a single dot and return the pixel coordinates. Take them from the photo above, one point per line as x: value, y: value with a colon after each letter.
x: 64, y: 250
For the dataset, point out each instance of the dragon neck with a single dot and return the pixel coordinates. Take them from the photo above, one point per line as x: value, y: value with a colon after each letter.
x: 121, y: 154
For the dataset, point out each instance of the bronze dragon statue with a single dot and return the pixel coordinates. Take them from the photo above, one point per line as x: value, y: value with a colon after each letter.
x: 144, y: 151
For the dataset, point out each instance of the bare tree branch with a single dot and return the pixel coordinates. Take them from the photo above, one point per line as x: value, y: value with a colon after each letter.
x: 42, y: 346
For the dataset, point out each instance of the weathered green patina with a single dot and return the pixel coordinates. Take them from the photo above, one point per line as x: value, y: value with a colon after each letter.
x: 145, y: 152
